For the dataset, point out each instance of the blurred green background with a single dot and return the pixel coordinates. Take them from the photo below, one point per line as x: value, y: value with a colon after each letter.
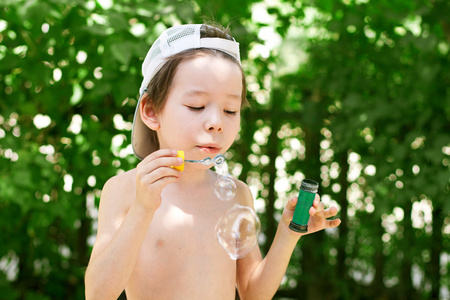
x: 352, y: 93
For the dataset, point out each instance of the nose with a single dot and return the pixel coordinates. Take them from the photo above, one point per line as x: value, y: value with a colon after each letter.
x: 214, y: 121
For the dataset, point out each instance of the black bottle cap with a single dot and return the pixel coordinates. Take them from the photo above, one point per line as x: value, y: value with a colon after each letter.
x: 298, y: 228
x: 309, y: 185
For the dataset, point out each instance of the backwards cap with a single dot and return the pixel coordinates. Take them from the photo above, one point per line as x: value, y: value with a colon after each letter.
x: 172, y: 41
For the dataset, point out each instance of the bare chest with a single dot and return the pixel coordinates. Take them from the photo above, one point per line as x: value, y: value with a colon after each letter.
x: 182, y: 258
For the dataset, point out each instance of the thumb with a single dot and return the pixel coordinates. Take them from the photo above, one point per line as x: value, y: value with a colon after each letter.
x: 289, y: 208
x: 290, y: 205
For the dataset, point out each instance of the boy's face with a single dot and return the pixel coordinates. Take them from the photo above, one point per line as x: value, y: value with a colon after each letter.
x: 202, y: 112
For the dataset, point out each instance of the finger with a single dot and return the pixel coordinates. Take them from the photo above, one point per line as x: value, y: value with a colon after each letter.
x: 316, y: 209
x: 148, y: 166
x: 290, y: 205
x: 143, y: 189
x: 165, y: 180
x: 316, y: 200
x: 158, y: 177
x: 289, y: 209
x: 154, y: 165
x: 330, y: 212
x: 159, y: 158
x: 152, y: 173
x: 159, y: 153
x: 333, y: 223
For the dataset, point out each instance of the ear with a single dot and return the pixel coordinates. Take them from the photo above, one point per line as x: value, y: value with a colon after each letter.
x: 148, y: 114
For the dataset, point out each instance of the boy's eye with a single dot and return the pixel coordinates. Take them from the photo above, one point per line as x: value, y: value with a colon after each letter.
x: 231, y: 112
x: 199, y: 108
x: 195, y: 108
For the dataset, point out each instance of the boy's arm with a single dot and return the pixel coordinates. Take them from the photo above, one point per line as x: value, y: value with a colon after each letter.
x: 260, y: 279
x: 127, y: 206
x: 118, y: 242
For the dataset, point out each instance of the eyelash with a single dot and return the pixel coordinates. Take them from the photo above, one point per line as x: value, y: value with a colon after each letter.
x: 194, y: 108
x: 233, y: 113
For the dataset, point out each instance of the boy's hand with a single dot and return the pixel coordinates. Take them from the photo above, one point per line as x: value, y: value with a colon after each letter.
x: 153, y: 174
x: 318, y: 215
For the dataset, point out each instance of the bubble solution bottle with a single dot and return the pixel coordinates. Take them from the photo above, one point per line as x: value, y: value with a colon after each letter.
x: 308, y: 190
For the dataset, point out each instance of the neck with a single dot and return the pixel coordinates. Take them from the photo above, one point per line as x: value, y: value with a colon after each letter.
x: 195, y: 187
x: 193, y: 176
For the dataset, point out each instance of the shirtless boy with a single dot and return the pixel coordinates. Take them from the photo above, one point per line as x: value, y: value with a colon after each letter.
x: 156, y: 224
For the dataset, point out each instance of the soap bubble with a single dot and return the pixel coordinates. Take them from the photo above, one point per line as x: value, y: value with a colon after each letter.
x: 238, y: 231
x: 221, y: 165
x: 225, y: 188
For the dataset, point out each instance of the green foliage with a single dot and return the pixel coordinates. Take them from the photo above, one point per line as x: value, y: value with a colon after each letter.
x: 352, y: 93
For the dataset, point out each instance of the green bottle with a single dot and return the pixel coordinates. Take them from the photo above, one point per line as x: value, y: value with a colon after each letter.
x: 308, y: 190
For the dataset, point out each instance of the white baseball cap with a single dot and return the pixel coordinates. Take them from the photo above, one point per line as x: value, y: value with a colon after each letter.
x: 172, y: 41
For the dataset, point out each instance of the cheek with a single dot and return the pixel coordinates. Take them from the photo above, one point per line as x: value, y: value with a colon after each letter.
x: 185, y: 127
x: 173, y: 126
x: 234, y: 127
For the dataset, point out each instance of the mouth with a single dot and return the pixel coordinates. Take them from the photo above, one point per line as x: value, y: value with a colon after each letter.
x: 209, y: 148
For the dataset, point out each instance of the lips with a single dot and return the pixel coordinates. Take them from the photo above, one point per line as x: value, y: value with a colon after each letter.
x: 209, y: 148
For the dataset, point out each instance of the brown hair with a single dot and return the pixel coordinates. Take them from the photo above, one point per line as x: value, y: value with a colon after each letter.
x: 159, y: 86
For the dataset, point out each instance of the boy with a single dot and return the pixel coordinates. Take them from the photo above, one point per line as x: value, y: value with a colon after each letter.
x: 156, y: 224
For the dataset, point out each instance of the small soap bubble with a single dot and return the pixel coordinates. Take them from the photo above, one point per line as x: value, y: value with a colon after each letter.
x: 225, y: 187
x: 237, y: 231
x: 221, y: 167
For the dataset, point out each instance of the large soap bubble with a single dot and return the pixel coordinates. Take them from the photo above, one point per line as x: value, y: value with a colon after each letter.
x: 238, y: 231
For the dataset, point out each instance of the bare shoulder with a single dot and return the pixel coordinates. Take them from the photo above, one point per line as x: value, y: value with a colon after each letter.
x: 244, y: 195
x: 124, y: 178
x: 118, y: 194
x: 119, y: 190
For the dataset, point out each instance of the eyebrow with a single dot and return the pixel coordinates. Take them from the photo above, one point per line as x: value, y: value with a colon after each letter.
x: 197, y: 92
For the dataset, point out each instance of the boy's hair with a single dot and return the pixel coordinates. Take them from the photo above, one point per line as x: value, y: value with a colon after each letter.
x: 159, y: 71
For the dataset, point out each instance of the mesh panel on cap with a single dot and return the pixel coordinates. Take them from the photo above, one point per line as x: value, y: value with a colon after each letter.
x: 180, y: 39
x: 180, y: 33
